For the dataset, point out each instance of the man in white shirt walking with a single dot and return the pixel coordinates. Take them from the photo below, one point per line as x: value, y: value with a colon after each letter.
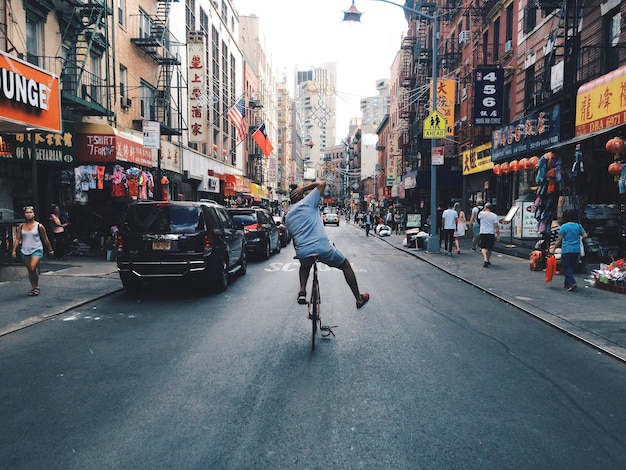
x: 489, y: 232
x: 448, y: 222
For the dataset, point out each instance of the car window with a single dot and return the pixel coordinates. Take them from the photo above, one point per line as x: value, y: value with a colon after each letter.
x: 164, y: 219
x: 241, y: 220
x: 265, y: 217
x: 226, y: 219
x: 212, y: 217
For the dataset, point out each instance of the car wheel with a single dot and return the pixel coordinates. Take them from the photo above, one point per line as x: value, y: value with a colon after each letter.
x: 268, y: 251
x: 244, y: 263
x: 221, y: 276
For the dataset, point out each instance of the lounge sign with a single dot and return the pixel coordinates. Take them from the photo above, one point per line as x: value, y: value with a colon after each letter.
x: 30, y: 97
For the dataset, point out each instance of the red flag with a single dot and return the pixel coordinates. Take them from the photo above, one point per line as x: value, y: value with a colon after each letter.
x: 237, y: 115
x: 260, y: 137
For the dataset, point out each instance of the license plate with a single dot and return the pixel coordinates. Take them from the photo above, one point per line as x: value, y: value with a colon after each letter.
x: 161, y: 245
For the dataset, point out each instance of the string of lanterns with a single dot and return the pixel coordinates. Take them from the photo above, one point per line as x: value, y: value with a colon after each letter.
x: 516, y: 165
x: 615, y: 146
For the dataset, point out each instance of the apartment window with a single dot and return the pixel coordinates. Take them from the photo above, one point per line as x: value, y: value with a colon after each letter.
x: 530, y: 16
x: 147, y: 101
x: 145, y: 25
x: 34, y: 28
x: 529, y: 86
x: 496, y: 40
x: 123, y: 81
x: 190, y: 14
x: 509, y: 22
x: 121, y: 12
x: 612, y: 30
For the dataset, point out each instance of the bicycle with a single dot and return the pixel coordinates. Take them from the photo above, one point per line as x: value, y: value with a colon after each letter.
x: 314, y: 309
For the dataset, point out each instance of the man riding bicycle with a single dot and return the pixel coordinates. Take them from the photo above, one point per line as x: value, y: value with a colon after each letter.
x: 310, y: 239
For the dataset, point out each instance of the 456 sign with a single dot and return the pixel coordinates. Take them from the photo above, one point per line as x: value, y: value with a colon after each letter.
x: 488, y: 96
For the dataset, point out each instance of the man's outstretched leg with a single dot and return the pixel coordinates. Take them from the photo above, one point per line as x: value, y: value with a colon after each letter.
x: 348, y: 273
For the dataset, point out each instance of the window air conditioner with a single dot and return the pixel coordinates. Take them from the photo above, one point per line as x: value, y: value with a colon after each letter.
x: 464, y: 37
x: 125, y: 102
x: 508, y: 45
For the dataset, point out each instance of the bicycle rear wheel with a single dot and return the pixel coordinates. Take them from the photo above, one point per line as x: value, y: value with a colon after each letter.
x: 315, y: 312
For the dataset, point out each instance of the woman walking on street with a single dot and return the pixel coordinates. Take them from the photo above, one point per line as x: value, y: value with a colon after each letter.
x: 460, y: 226
x: 32, y: 236
x: 58, y: 232
x: 570, y: 235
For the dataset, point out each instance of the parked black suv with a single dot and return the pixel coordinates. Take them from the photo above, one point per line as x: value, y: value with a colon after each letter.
x: 175, y: 239
x: 262, y: 234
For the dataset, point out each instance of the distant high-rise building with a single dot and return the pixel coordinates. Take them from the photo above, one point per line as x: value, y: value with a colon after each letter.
x: 374, y: 108
x: 316, y: 103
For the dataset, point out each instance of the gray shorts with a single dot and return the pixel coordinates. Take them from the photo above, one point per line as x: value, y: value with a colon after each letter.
x: 333, y: 258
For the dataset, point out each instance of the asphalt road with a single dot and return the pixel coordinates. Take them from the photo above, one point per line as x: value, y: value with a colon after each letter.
x: 432, y: 373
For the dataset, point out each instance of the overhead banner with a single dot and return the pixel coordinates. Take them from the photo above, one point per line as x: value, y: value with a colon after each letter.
x: 197, y: 94
x: 30, y: 97
x: 488, y: 96
x: 446, y: 97
x: 601, y: 103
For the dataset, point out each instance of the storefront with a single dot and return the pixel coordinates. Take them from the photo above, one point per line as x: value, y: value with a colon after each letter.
x: 587, y: 161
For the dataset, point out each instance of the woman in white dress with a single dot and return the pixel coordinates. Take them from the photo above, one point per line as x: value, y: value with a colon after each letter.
x: 460, y: 226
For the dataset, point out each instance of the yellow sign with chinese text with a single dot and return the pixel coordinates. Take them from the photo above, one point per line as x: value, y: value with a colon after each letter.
x: 446, y: 96
x: 477, y: 159
x: 601, y: 103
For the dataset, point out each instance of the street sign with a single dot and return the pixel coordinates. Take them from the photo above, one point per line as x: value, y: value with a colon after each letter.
x: 434, y: 126
x: 437, y: 155
x: 151, y: 134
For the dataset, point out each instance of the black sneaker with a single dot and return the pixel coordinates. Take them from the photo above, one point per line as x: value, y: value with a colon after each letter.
x: 302, y: 298
x: 486, y: 264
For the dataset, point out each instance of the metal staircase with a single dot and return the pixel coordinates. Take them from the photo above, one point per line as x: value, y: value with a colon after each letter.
x: 156, y: 43
x: 86, y: 39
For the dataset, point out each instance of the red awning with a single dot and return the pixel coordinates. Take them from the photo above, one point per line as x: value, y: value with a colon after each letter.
x: 101, y: 143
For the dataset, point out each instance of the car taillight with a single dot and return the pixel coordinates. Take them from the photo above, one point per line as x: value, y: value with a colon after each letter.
x: 119, y: 243
x: 253, y: 228
x: 208, y: 245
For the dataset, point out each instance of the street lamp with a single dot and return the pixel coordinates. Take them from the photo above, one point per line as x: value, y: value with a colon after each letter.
x: 353, y: 15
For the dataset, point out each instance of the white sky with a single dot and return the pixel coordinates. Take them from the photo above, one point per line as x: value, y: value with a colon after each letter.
x: 308, y: 34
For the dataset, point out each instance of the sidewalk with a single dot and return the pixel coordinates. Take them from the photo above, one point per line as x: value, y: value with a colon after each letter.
x: 64, y: 285
x: 595, y: 316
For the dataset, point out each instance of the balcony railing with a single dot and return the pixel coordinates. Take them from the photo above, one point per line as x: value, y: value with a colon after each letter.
x: 81, y: 91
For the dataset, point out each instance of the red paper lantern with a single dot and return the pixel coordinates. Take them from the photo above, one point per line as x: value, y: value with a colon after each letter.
x: 504, y: 168
x: 496, y: 169
x: 523, y: 164
x: 615, y: 145
x: 532, y: 163
x: 615, y: 168
x: 514, y: 166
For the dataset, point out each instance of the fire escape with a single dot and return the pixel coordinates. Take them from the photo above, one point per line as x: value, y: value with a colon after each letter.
x: 406, y: 107
x: 562, y: 45
x: 420, y: 29
x: 86, y: 89
x: 154, y: 40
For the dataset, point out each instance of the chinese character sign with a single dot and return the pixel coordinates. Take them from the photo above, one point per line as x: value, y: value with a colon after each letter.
x: 488, y: 96
x: 601, y: 103
x: 446, y: 96
x: 197, y: 92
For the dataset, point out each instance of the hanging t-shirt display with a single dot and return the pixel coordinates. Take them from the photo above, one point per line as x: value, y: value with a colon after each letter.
x: 118, y: 178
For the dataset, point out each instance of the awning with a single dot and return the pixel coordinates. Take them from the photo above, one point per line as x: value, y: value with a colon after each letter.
x: 101, y: 143
x: 584, y: 137
x: 229, y: 185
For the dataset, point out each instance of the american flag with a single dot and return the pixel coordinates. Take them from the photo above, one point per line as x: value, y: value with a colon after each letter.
x: 237, y: 115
